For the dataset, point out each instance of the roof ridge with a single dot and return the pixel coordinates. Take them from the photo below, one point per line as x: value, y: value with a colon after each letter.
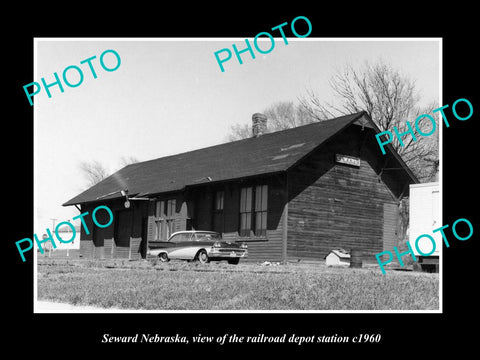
x: 251, y: 138
x: 229, y: 160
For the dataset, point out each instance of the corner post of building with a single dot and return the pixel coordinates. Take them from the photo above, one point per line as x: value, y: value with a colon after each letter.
x: 130, y: 248
x: 285, y: 223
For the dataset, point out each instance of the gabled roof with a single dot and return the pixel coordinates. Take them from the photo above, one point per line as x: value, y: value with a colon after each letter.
x: 342, y: 254
x: 266, y: 154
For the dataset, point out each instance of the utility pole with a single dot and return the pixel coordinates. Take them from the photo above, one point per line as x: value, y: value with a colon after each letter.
x: 53, y: 228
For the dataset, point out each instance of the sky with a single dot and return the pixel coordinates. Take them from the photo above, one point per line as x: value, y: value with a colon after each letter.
x: 169, y: 96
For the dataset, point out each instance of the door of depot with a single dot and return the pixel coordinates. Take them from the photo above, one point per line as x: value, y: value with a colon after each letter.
x: 123, y: 228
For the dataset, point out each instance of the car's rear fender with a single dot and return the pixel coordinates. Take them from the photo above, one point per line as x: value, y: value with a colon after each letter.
x: 162, y: 252
x: 187, y: 252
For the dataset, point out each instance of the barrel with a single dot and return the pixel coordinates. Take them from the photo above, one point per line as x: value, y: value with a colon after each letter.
x: 356, y: 258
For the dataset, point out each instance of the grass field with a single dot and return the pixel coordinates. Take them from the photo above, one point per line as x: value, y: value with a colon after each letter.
x: 149, y: 285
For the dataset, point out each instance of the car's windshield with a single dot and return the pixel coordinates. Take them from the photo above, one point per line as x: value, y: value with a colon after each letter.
x: 179, y: 238
x: 208, y: 236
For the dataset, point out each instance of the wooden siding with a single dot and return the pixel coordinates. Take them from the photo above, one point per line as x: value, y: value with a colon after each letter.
x: 108, y: 248
x: 98, y: 252
x: 179, y: 217
x: 339, y: 206
x: 86, y: 248
x: 135, y: 250
x: 101, y: 243
x: 268, y: 247
x: 390, y: 226
x: 121, y: 252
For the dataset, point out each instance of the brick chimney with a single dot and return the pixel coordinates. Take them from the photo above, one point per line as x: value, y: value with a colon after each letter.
x: 259, y: 124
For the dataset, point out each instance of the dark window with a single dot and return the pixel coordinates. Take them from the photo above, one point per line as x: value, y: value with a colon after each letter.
x: 159, y: 218
x: 218, y: 211
x: 253, y: 210
x: 164, y: 219
x: 170, y: 219
x: 219, y: 195
x: 245, y: 211
x: 261, y: 194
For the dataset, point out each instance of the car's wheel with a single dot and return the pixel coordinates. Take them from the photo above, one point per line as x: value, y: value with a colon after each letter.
x: 163, y: 257
x: 234, y: 261
x: 202, y: 257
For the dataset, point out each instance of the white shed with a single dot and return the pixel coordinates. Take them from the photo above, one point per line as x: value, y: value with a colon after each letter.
x: 337, y: 258
x: 425, y: 216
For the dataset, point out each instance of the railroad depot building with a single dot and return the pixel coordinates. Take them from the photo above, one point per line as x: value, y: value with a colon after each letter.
x: 292, y: 194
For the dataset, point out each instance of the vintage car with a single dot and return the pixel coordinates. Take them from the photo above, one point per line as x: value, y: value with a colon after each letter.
x: 202, y: 246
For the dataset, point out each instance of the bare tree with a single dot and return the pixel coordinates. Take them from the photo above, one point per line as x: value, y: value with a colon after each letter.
x: 380, y: 90
x: 93, y: 171
x: 390, y: 99
x: 239, y: 131
x: 285, y: 115
x: 281, y: 115
x: 127, y: 160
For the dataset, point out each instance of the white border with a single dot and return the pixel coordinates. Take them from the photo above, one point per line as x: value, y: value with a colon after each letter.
x: 333, y: 39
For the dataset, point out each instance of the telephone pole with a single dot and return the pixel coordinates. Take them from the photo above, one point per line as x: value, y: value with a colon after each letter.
x: 50, y: 247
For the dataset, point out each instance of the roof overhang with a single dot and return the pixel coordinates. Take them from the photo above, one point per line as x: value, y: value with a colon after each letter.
x: 110, y: 189
x: 392, y: 151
